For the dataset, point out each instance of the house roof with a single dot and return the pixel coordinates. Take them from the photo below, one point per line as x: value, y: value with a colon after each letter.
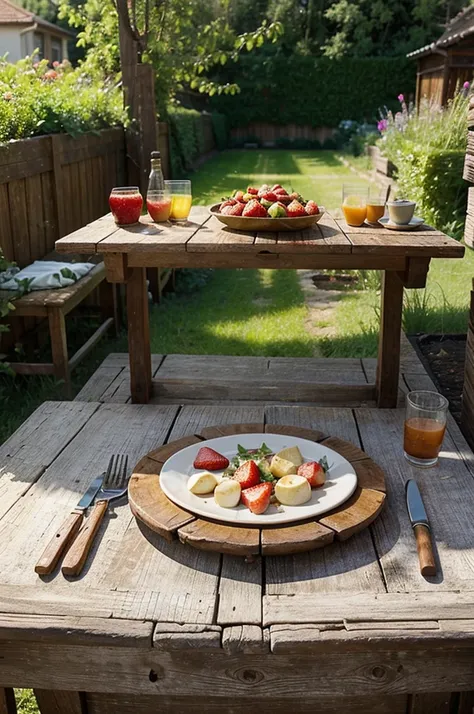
x: 11, y: 14
x: 460, y: 27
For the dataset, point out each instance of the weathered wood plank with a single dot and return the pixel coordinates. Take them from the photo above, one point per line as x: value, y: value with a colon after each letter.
x: 173, y: 636
x: 244, y: 639
x: 220, y: 537
x: 34, y: 446
x: 7, y: 701
x: 98, y: 384
x: 448, y: 483
x: 240, y: 592
x: 54, y: 702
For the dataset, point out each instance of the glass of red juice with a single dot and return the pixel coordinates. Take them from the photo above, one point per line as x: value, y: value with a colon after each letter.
x: 126, y: 204
x: 425, y: 425
x: 158, y: 204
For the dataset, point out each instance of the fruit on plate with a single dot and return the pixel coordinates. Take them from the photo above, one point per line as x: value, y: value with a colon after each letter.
x: 296, y: 209
x: 312, y: 208
x: 202, y: 483
x: 277, y: 210
x: 235, y: 210
x: 227, y: 493
x: 254, y: 209
x: 266, y: 197
x: 281, y: 467
x: 247, y: 475
x: 210, y: 460
x: 293, y: 490
x: 291, y: 453
x: 257, y: 498
x: 314, y: 473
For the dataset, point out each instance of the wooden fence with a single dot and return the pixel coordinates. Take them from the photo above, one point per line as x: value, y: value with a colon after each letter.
x: 270, y: 133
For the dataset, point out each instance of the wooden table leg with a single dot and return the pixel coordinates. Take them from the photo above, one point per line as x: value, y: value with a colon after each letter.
x: 138, y: 336
x: 388, y: 364
x: 59, y: 702
x: 7, y: 701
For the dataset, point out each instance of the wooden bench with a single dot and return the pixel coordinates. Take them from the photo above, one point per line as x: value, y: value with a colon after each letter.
x: 54, y: 305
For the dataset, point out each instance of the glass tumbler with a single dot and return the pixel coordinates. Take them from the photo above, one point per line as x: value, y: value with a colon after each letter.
x: 425, y: 425
x: 354, y: 204
x: 181, y: 199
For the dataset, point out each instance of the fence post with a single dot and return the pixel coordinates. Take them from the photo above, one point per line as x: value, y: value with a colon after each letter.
x: 57, y: 182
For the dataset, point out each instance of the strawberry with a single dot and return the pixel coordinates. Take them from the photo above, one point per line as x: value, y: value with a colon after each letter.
x: 252, y: 190
x: 280, y: 191
x: 238, y: 195
x: 313, y: 472
x: 263, y: 189
x: 253, y: 209
x: 257, y: 498
x: 276, y: 186
x: 235, y: 210
x: 312, y: 208
x: 227, y: 202
x: 247, y: 475
x: 277, y: 210
x: 295, y: 209
x: 283, y: 198
x: 269, y: 196
x: 210, y: 460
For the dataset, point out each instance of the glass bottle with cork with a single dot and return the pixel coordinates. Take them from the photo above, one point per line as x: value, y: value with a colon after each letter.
x: 158, y: 199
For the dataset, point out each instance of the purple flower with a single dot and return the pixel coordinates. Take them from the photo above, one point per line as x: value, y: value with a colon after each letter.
x: 382, y: 125
x: 466, y: 85
x: 401, y: 98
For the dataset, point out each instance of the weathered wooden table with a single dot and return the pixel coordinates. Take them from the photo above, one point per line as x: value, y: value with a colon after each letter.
x: 205, y: 242
x: 155, y: 626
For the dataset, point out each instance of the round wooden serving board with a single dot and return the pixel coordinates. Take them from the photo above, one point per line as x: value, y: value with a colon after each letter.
x: 150, y: 505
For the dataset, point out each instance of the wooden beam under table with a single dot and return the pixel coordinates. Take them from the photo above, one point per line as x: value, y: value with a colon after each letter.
x: 138, y: 336
x: 388, y: 364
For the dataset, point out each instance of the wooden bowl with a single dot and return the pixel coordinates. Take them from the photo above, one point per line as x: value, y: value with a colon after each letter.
x: 243, y: 223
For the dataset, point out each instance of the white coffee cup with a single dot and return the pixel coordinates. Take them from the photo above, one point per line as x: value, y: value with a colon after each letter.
x: 401, y: 212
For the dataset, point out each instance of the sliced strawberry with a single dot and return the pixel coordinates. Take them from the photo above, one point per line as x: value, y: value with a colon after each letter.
x: 210, y: 460
x: 252, y: 190
x: 254, y: 209
x: 313, y: 472
x: 257, y: 498
x: 312, y: 208
x: 247, y: 475
x: 235, y: 210
x: 295, y: 209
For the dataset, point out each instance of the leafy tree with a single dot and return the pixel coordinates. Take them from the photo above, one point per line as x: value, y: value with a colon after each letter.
x: 184, y: 40
x: 46, y: 9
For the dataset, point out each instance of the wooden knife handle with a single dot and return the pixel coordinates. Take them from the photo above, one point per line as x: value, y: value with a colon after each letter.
x: 58, y: 543
x: 424, y: 546
x: 77, y: 554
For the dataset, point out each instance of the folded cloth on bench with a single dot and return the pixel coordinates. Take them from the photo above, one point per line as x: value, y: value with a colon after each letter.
x: 44, y: 275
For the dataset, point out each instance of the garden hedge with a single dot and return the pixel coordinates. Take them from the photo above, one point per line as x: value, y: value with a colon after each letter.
x: 187, y: 137
x: 314, y: 91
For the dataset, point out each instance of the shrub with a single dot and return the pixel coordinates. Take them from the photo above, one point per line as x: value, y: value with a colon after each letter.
x: 219, y: 125
x: 330, y: 144
x: 269, y: 91
x: 184, y: 129
x: 35, y: 99
x: 427, y: 148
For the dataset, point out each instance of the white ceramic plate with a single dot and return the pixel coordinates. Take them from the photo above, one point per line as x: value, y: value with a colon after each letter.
x: 412, y: 226
x: 341, y: 481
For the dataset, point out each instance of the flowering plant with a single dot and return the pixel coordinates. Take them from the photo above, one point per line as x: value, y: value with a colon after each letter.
x: 35, y: 99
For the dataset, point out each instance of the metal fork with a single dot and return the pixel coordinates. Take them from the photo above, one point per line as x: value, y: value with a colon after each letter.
x: 114, y: 486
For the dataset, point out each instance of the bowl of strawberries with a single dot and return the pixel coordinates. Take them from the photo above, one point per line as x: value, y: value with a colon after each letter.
x: 268, y: 208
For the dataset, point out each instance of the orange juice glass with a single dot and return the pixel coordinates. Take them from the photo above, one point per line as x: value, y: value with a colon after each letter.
x: 375, y: 211
x: 181, y: 199
x: 425, y: 426
x: 354, y: 204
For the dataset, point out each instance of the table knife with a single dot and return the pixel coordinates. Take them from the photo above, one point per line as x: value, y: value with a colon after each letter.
x: 421, y: 528
x: 63, y: 537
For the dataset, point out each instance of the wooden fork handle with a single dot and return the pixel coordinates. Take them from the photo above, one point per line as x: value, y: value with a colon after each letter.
x: 77, y: 554
x: 59, y: 543
x: 424, y: 546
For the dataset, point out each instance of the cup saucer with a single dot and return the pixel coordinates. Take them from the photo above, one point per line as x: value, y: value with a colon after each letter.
x: 411, y: 226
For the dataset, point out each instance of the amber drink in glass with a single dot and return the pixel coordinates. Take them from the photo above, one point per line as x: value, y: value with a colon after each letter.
x: 425, y: 425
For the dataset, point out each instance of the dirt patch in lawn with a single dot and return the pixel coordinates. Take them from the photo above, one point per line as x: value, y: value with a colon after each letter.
x: 444, y: 356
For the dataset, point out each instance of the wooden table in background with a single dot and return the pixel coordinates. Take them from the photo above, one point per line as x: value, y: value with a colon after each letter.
x: 203, y: 242
x: 155, y: 626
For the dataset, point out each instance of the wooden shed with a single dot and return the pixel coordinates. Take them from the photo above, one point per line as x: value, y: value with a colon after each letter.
x: 447, y: 63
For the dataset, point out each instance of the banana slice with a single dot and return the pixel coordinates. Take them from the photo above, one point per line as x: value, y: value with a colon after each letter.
x: 291, y: 453
x: 293, y: 490
x: 227, y: 493
x: 202, y: 483
x: 281, y: 467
